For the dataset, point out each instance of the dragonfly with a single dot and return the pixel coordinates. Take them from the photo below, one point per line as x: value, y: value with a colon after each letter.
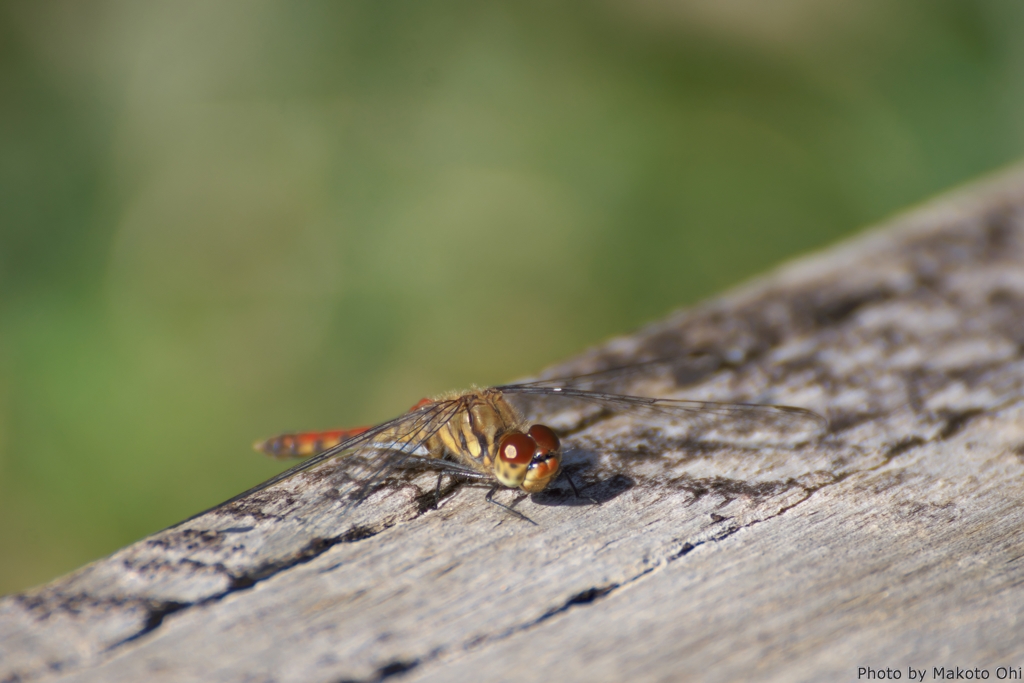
x: 480, y: 435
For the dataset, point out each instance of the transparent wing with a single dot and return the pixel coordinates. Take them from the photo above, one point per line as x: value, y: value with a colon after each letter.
x: 678, y: 371
x: 691, y: 419
x: 370, y: 455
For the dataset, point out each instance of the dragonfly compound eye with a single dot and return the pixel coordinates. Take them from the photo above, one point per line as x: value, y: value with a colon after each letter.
x: 546, y: 463
x: 547, y: 441
x: 515, y: 453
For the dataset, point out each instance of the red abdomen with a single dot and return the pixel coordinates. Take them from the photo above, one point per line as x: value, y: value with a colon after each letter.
x: 305, y: 443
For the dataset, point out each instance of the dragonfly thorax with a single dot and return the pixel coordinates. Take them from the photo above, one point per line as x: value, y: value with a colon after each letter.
x: 488, y: 435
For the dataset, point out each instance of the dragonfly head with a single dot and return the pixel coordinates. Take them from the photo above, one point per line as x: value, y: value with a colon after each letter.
x: 528, y: 461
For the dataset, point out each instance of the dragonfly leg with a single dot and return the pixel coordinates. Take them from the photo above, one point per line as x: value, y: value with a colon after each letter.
x: 437, y: 490
x: 576, y: 491
x: 443, y: 467
x: 515, y: 513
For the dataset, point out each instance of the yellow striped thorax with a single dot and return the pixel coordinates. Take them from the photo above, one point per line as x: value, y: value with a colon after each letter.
x: 488, y: 434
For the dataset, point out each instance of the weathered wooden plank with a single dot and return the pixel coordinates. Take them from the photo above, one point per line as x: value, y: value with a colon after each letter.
x: 890, y: 541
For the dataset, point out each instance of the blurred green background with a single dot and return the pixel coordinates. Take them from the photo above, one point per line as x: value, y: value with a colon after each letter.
x: 222, y: 220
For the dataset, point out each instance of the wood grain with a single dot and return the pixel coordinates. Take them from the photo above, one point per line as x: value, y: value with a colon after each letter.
x: 893, y: 540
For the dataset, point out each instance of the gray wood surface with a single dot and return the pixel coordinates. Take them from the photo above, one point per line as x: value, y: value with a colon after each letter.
x: 892, y: 540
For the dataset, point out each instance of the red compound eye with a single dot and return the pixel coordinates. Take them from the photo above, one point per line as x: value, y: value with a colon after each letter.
x: 547, y: 441
x: 517, y: 448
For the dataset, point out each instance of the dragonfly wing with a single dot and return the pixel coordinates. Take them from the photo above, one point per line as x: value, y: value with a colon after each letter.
x: 401, y: 445
x: 675, y: 371
x: 368, y: 456
x: 688, y: 419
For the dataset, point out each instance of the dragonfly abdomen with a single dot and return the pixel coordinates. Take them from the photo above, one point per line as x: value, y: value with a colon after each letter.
x: 304, y: 444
